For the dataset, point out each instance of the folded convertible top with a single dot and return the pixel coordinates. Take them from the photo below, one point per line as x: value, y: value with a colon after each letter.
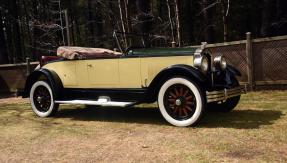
x: 72, y: 52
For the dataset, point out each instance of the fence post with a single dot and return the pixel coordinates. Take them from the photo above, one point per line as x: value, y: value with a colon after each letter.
x: 249, y: 55
x: 28, y: 70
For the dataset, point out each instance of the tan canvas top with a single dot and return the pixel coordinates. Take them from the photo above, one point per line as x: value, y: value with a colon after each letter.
x: 72, y: 52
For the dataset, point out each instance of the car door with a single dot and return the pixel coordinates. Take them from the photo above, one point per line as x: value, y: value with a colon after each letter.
x: 129, y: 73
x: 98, y: 73
x: 103, y: 73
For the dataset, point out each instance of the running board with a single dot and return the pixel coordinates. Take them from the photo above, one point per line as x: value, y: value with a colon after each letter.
x: 100, y: 102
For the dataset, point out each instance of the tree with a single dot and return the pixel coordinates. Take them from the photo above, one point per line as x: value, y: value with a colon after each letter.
x: 3, y: 47
x: 266, y: 18
x: 178, y: 24
x: 206, y: 11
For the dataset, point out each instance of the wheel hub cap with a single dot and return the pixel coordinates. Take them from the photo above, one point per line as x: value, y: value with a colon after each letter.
x: 178, y: 102
x: 39, y: 99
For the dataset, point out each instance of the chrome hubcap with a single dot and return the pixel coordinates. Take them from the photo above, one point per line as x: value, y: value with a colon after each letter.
x: 178, y: 102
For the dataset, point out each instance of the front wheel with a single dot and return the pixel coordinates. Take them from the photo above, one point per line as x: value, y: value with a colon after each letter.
x: 42, y: 100
x: 181, y: 102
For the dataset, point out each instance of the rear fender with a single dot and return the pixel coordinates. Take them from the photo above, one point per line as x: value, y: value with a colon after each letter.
x: 43, y: 74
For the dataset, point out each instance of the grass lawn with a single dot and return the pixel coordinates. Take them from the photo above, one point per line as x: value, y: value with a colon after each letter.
x: 256, y: 131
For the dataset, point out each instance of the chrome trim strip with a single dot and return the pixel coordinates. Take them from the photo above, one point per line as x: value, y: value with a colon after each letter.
x: 224, y: 94
x: 99, y: 102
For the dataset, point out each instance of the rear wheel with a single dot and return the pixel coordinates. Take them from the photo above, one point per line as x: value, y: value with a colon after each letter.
x: 42, y: 100
x: 181, y: 102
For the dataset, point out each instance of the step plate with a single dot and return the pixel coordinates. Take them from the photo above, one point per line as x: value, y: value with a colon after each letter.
x: 99, y: 102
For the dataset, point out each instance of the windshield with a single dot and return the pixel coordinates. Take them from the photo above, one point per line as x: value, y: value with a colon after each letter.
x: 127, y: 41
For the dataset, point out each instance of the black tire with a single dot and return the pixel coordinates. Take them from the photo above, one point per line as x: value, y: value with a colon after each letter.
x: 42, y: 99
x: 225, y: 106
x: 181, y: 102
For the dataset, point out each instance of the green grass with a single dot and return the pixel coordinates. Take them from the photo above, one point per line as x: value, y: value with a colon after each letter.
x: 256, y: 131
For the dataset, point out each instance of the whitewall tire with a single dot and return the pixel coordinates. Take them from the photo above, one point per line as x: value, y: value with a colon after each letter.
x: 42, y: 99
x: 181, y: 102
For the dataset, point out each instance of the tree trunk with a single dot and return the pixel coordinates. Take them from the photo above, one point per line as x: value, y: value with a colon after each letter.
x: 99, y: 26
x: 224, y: 9
x: 143, y: 17
x: 16, y: 31
x: 123, y: 23
x: 281, y: 28
x: 207, y: 24
x: 187, y: 22
x: 170, y: 21
x: 266, y: 18
x: 3, y: 46
x: 128, y: 20
x: 178, y: 25
x: 91, y: 36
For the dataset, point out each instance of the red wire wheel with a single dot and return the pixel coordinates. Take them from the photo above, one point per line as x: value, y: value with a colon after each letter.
x: 180, y: 102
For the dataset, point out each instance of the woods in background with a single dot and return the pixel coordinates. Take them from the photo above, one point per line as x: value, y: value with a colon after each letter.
x: 37, y: 27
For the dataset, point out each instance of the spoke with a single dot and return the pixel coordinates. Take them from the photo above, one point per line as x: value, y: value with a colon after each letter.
x: 185, y: 93
x: 188, y: 108
x: 188, y: 97
x: 172, y: 94
x: 185, y: 111
x: 181, y: 91
x: 176, y: 92
x: 180, y: 112
x: 171, y: 100
x: 175, y: 110
x: 190, y: 103
x: 172, y: 107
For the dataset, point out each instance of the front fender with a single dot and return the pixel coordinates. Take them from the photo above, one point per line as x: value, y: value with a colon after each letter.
x: 174, y: 71
x: 233, y: 70
x: 230, y: 76
x: 49, y: 75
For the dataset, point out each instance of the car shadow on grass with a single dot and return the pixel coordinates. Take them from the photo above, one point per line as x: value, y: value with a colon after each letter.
x: 241, y: 119
x: 238, y: 119
x: 114, y: 114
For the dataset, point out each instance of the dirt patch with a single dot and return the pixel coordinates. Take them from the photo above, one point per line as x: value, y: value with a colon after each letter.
x: 13, y: 100
x: 243, y: 154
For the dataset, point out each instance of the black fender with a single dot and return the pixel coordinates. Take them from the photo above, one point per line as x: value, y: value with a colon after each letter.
x: 230, y: 76
x: 51, y: 77
x: 173, y: 71
x: 233, y: 70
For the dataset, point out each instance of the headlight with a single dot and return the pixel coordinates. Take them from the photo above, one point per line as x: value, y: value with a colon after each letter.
x: 220, y: 62
x: 201, y: 63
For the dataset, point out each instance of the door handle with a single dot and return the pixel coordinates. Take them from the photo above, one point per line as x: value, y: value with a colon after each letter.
x: 90, y: 65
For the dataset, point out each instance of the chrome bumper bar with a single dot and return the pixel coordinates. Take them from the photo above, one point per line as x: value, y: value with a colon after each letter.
x: 225, y: 94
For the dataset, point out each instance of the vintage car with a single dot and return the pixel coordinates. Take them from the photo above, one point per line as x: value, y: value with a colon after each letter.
x: 183, y: 81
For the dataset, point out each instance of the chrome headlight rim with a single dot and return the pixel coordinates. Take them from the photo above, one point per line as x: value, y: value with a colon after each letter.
x: 201, y: 63
x: 220, y: 62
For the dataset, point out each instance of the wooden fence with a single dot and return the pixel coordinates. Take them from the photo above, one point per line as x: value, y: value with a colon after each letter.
x: 262, y: 62
x: 13, y: 76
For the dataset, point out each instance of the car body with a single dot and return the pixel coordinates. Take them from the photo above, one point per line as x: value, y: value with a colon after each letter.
x: 170, y: 76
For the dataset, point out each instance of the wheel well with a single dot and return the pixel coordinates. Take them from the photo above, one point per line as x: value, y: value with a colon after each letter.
x: 44, y: 76
x: 162, y: 78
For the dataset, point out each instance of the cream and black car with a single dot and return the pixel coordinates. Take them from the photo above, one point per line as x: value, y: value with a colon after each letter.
x: 183, y: 81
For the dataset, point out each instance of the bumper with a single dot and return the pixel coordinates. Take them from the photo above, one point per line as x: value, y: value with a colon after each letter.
x: 225, y: 94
